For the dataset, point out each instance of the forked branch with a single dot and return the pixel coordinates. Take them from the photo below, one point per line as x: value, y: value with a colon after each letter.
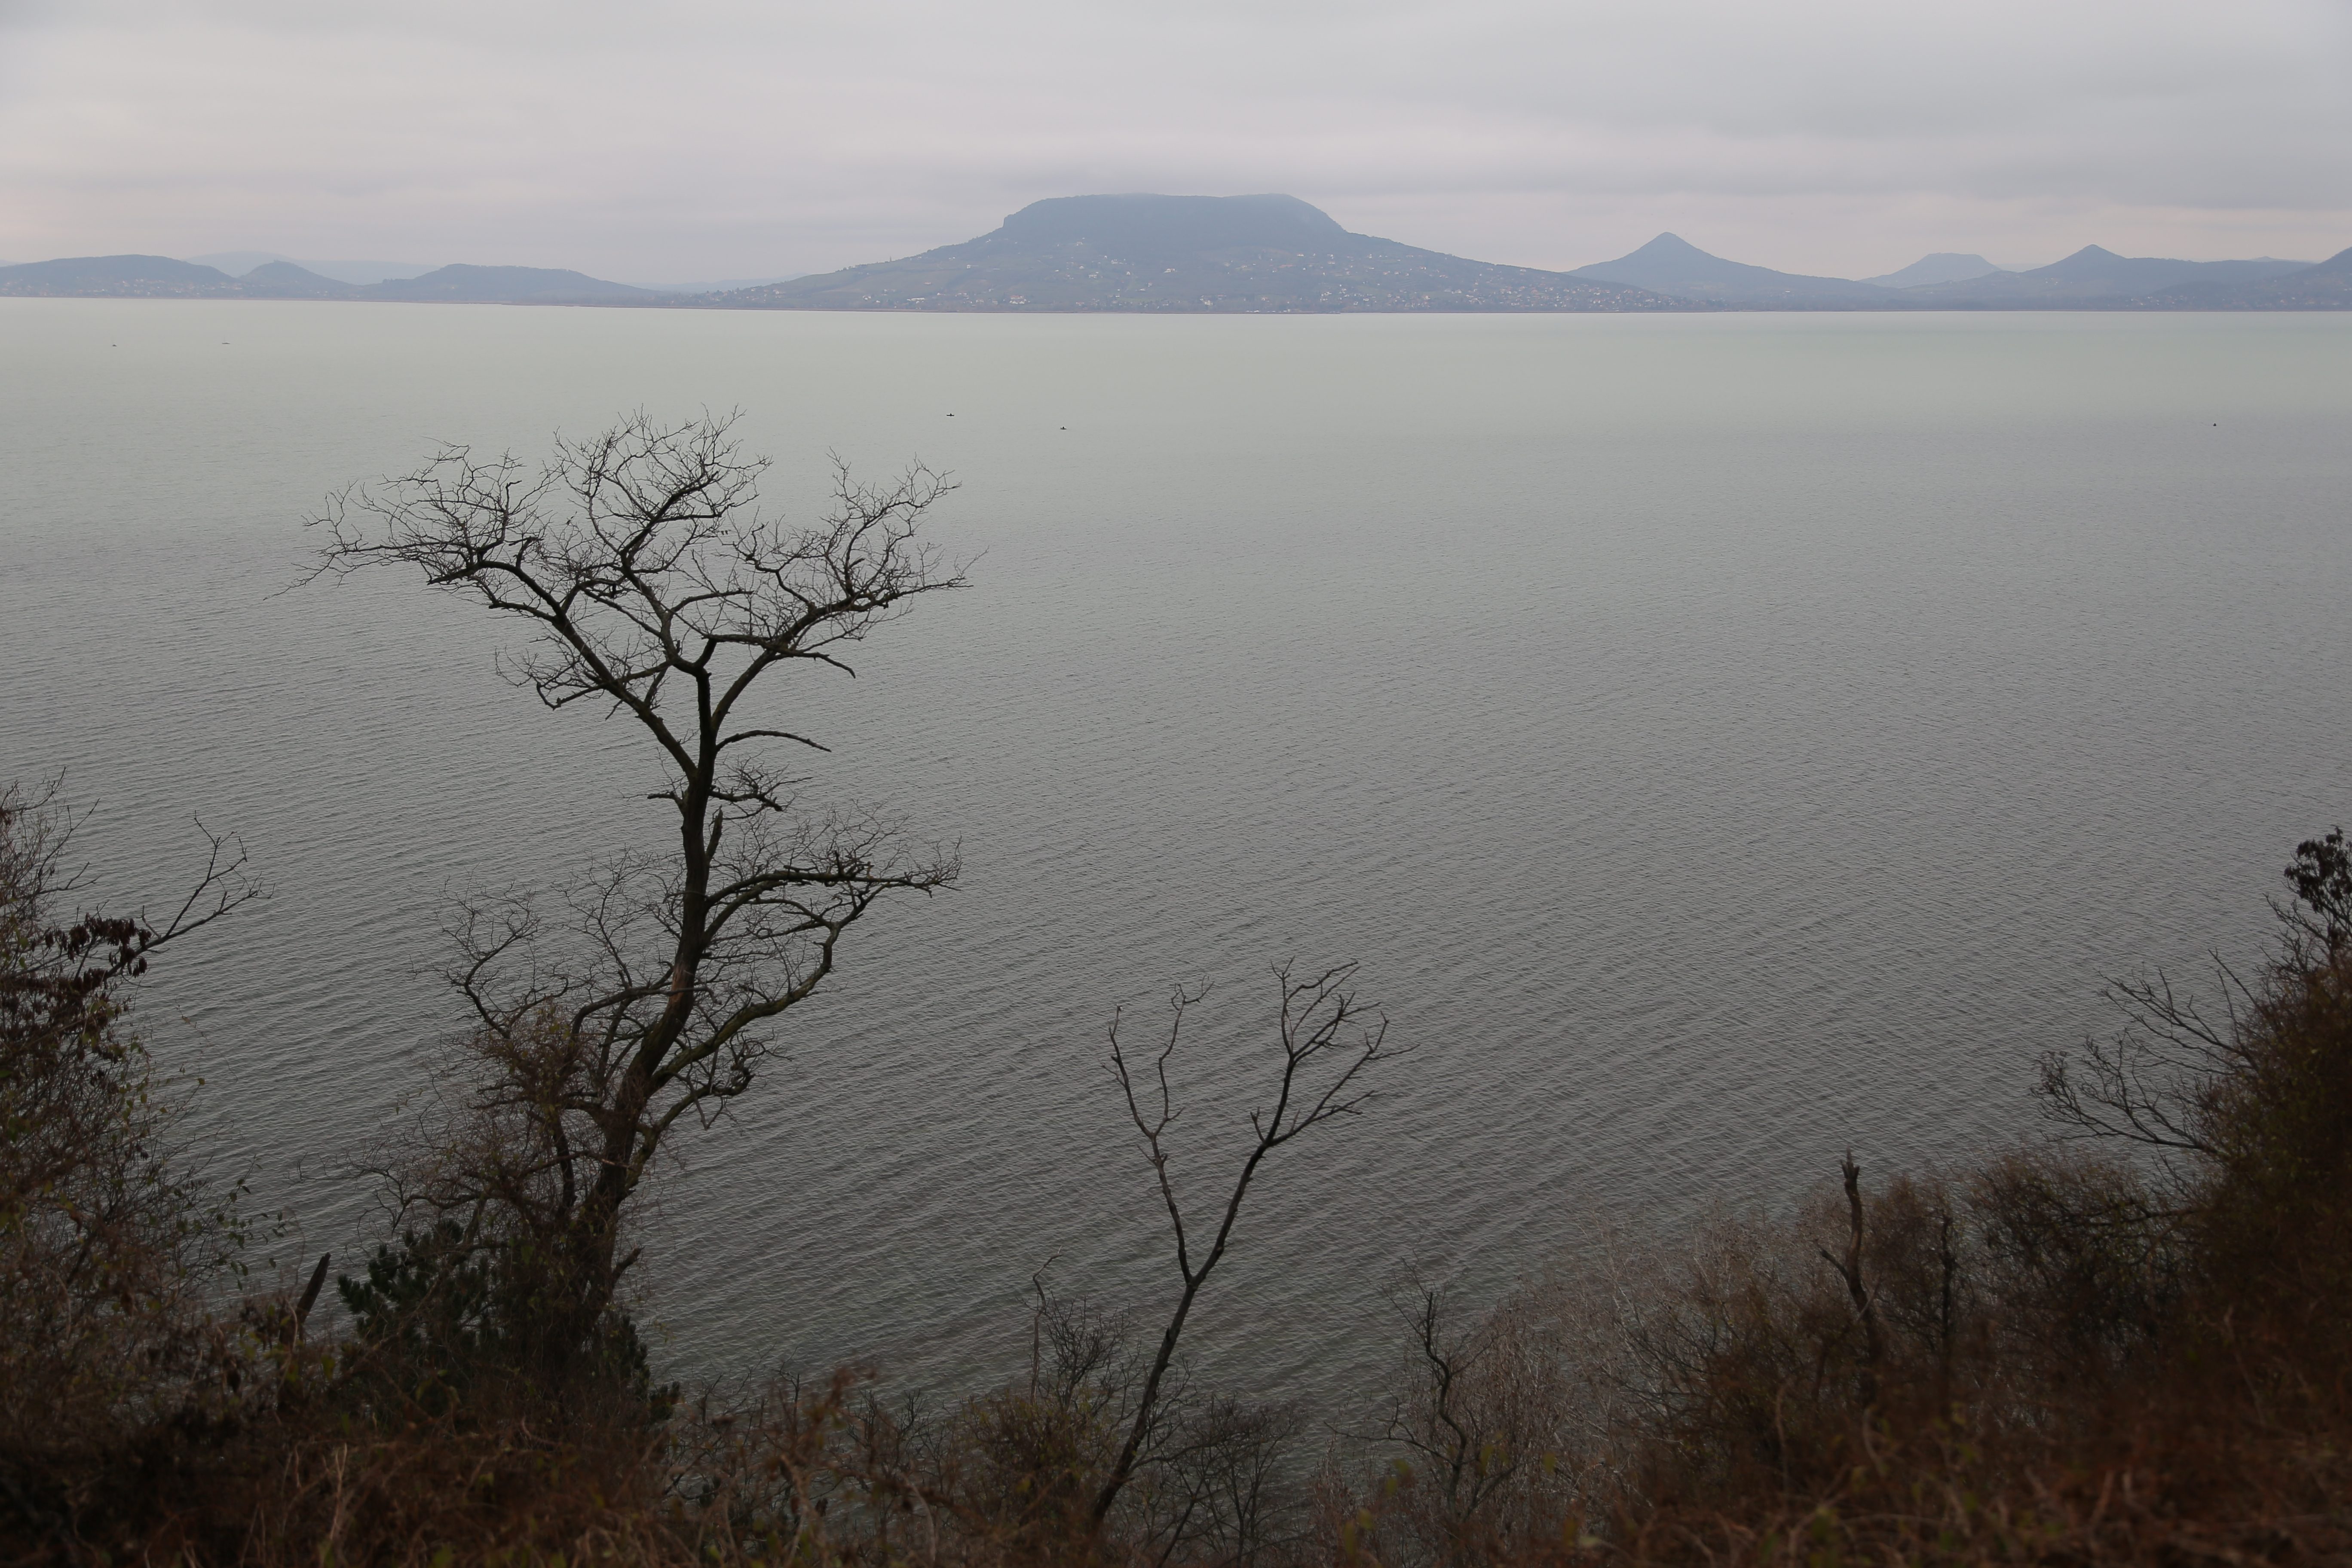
x: 1328, y: 1040
x: 653, y: 585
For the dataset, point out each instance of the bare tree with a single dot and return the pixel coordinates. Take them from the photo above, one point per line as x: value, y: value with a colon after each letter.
x: 1858, y: 1290
x: 1466, y: 1461
x: 1226, y: 1492
x: 1208, y: 1484
x: 656, y: 591
x: 1327, y: 1043
x: 1490, y: 1416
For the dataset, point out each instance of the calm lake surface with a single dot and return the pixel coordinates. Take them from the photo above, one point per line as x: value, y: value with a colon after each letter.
x: 1722, y: 740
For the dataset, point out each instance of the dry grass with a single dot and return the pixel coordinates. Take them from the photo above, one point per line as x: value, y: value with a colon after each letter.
x: 2049, y: 1356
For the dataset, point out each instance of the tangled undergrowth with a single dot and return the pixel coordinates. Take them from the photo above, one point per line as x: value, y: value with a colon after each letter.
x: 2129, y: 1346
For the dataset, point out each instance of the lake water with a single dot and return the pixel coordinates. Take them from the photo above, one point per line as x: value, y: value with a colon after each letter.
x: 1723, y: 740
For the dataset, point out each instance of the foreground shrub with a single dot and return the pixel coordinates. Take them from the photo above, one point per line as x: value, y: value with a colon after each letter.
x: 2124, y: 1351
x: 451, y: 1323
x: 2064, y: 1352
x: 113, y: 1249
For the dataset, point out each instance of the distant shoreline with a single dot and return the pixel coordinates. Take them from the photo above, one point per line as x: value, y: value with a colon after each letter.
x: 1677, y: 308
x: 1261, y: 255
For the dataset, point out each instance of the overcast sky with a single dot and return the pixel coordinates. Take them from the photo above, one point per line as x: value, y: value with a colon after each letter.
x: 731, y: 138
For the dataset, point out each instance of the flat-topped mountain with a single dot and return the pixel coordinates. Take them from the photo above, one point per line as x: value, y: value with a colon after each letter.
x: 1154, y: 253
x: 1154, y: 230
x: 1673, y: 266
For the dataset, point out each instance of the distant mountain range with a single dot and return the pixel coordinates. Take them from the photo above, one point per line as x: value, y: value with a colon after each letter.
x: 2095, y: 277
x: 1270, y: 254
x: 2326, y: 287
x: 160, y: 276
x: 2091, y: 278
x: 237, y: 263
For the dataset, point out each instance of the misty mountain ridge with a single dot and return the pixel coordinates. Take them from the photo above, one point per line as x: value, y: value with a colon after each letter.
x: 110, y: 276
x: 2326, y: 287
x: 1939, y: 267
x: 161, y: 277
x: 545, y: 285
x: 2091, y: 278
x: 241, y: 263
x: 1671, y: 265
x: 291, y: 280
x: 1263, y: 253
x: 1151, y: 253
x: 2094, y: 275
x: 719, y: 285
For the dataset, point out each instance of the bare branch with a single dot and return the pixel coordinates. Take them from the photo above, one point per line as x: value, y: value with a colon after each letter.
x: 1318, y: 1018
x: 653, y: 588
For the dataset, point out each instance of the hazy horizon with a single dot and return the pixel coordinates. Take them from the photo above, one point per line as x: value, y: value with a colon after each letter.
x: 740, y: 140
x: 224, y: 259
x: 237, y: 263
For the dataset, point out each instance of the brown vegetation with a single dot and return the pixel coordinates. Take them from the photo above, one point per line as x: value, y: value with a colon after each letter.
x: 2124, y: 1345
x: 2060, y: 1353
x: 109, y: 1243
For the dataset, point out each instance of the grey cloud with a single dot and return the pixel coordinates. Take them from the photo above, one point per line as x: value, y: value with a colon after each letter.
x: 749, y: 138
